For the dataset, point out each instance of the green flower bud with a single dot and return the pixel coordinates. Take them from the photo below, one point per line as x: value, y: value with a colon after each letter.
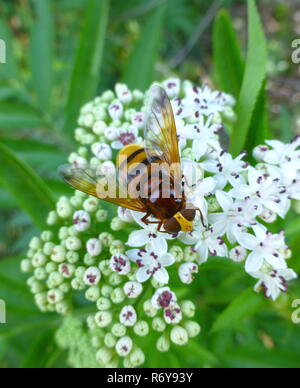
x: 106, y: 291
x: 97, y: 342
x: 72, y: 257
x: 188, y: 153
x: 73, y: 232
x: 137, y: 96
x: 37, y: 287
x: 213, y: 205
x: 101, y: 215
x: 124, y: 346
x: 103, y: 318
x: 118, y: 296
x: 106, y: 239
x: 64, y: 209
x: 104, y: 267
x: 26, y: 266
x: 110, y: 340
x: 229, y: 116
x: 80, y: 272
x: 91, y: 323
x: 99, y: 127
x: 190, y: 255
x: 67, y: 270
x: 89, y: 260
x: 58, y: 254
x: 47, y: 236
x: 113, y: 363
x: 39, y: 259
x: 65, y: 288
x: 76, y: 202
x: 91, y: 205
x: 188, y: 308
x: 30, y: 281
x: 52, y: 218
x: 55, y: 279
x: 141, y: 328
x: 35, y: 243
x: 40, y: 273
x: 63, y: 233
x: 163, y: 344
x: 127, y: 363
x: 48, y: 248
x: 193, y: 328
x: 41, y: 299
x: 55, y: 296
x: 30, y: 253
x: 63, y: 307
x: 137, y: 357
x: 118, y: 330
x: 116, y: 247
x: 73, y: 243
x: 77, y: 284
x: 115, y: 279
x: 117, y: 224
x: 51, y: 267
x: 177, y: 252
x: 179, y: 336
x: 158, y: 324
x: 104, y: 355
x: 103, y: 304
x: 92, y: 294
x: 155, y: 283
x: 150, y: 311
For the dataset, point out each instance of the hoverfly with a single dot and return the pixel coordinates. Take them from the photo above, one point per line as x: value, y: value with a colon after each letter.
x: 161, y: 155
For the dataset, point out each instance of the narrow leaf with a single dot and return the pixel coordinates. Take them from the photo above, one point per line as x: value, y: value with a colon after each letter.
x: 255, y: 75
x: 17, y: 115
x: 228, y: 59
x: 87, y: 65
x: 242, y: 307
x: 41, y: 50
x: 29, y: 190
x: 140, y: 69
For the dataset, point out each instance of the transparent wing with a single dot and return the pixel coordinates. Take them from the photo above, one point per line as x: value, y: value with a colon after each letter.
x: 89, y: 181
x: 160, y: 131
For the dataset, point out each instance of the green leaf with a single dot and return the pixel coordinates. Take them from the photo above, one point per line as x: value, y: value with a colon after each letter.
x: 140, y: 70
x: 259, y: 127
x: 87, y: 65
x: 242, y: 307
x: 29, y: 190
x: 41, y: 51
x: 228, y: 59
x: 254, y: 77
x: 15, y: 115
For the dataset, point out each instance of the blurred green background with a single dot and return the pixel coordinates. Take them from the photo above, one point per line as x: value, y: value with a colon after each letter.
x: 60, y: 54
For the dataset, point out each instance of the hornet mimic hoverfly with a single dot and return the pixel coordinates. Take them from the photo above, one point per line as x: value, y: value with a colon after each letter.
x: 150, y: 176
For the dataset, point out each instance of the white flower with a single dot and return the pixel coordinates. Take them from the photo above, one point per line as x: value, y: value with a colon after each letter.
x: 206, y: 102
x: 81, y: 220
x: 94, y: 247
x: 102, y: 151
x: 151, y: 262
x: 265, y: 246
x: 120, y: 263
x: 138, y: 120
x: 186, y: 272
x: 128, y: 316
x: 208, y: 242
x: 238, y: 254
x: 265, y: 191
x: 133, y: 289
x: 235, y: 218
x: 111, y: 133
x: 204, y: 135
x: 172, y: 87
x: 273, y: 281
x: 116, y: 110
x: 123, y: 94
x: 163, y: 297
x: 125, y: 137
x: 146, y: 235
x: 92, y: 276
x: 124, y: 346
x: 173, y: 314
x: 227, y: 169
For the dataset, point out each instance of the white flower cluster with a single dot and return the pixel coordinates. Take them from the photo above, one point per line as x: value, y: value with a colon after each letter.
x: 118, y: 260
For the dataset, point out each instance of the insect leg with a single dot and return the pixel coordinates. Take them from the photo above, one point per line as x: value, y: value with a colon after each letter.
x: 202, y: 218
x: 146, y: 220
